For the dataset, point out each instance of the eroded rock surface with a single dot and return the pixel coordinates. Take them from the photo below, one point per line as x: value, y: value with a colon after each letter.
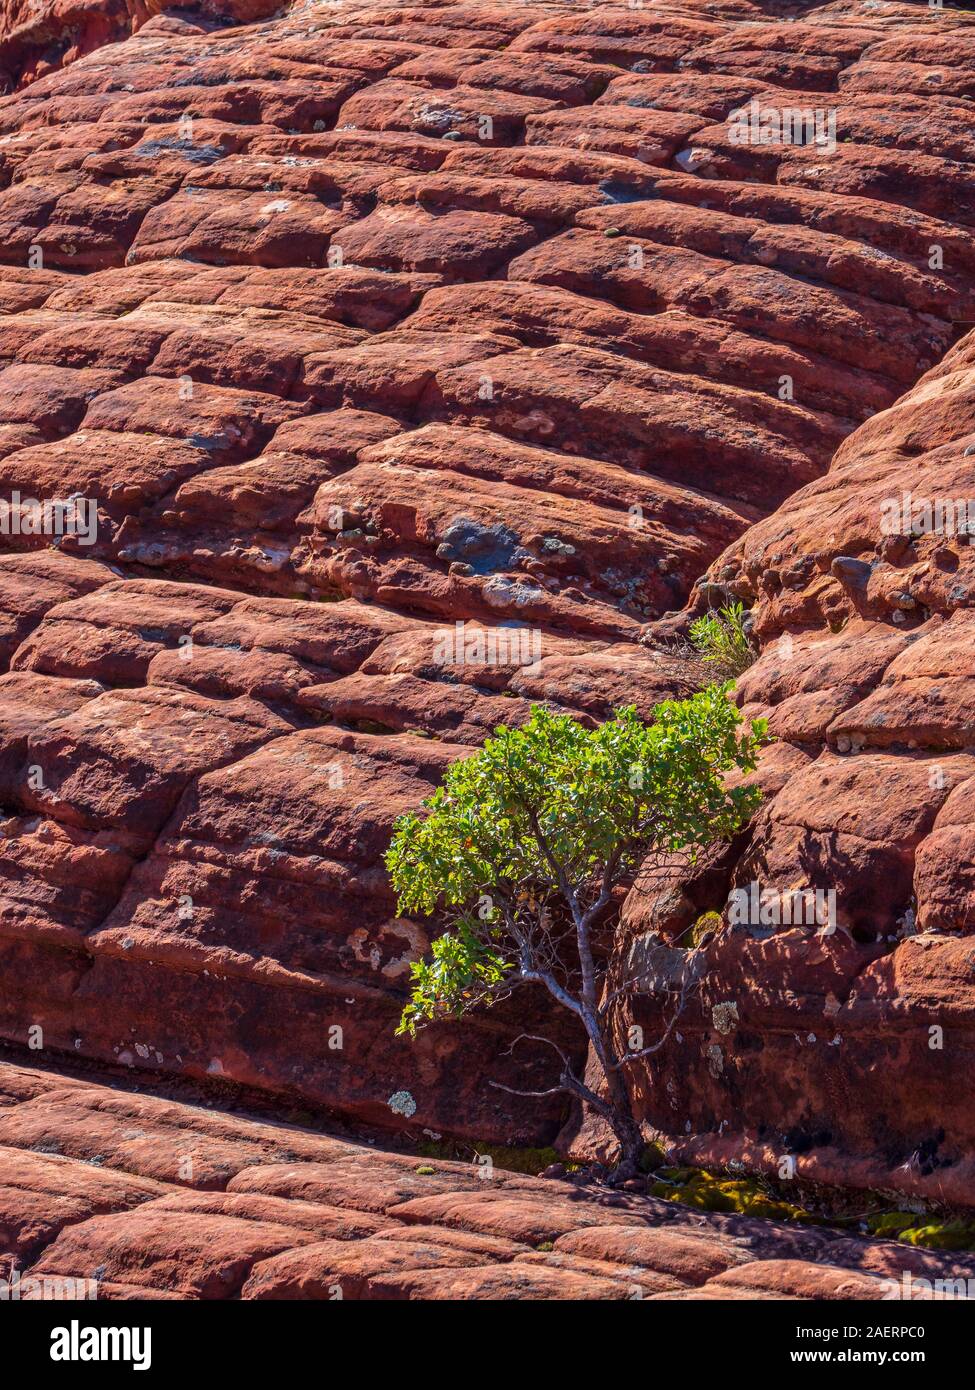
x: 123, y: 1196
x: 357, y: 324
x: 849, y: 1021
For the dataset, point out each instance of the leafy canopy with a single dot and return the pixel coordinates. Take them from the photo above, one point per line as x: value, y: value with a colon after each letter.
x: 553, y: 809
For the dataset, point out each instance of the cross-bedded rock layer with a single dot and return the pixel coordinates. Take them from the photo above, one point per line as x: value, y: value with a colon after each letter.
x: 856, y: 1042
x: 364, y: 321
x: 142, y: 1198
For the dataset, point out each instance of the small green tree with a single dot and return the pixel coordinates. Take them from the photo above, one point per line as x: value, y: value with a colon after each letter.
x: 524, y: 843
x: 721, y: 640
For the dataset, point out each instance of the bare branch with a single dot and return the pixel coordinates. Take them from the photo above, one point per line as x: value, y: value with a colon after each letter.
x: 691, y: 981
x: 625, y: 988
x: 538, y: 1095
x: 569, y: 1083
x: 578, y: 1088
x: 644, y: 1052
x: 546, y: 978
x: 605, y: 889
x: 535, y: 1037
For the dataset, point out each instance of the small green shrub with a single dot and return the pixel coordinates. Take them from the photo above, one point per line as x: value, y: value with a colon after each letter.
x: 523, y: 846
x: 720, y: 639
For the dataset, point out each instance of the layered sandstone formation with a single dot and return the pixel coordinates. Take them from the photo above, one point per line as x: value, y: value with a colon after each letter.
x: 128, y: 1196
x: 357, y: 322
x: 848, y: 1048
x: 41, y: 36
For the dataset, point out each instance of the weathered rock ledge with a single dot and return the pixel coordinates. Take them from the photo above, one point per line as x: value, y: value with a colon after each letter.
x: 154, y: 1199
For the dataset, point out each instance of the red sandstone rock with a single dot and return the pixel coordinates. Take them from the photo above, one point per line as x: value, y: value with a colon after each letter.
x: 342, y: 1183
x: 518, y: 1215
x: 515, y: 1282
x: 357, y: 328
x: 875, y: 807
x: 689, y: 1256
x: 197, y: 1255
x: 274, y: 1234
x: 335, y: 1269
x: 30, y: 584
x: 799, y: 1280
x: 36, y: 1205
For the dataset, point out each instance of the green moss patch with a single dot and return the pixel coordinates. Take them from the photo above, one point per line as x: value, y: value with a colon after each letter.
x: 707, y: 922
x: 746, y: 1196
x: 710, y: 1192
x: 920, y: 1229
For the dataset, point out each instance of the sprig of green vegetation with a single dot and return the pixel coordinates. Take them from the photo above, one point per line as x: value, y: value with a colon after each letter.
x: 721, y: 640
x: 524, y: 843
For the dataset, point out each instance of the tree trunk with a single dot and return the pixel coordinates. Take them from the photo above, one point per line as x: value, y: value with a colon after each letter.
x: 627, y: 1131
x: 621, y: 1119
